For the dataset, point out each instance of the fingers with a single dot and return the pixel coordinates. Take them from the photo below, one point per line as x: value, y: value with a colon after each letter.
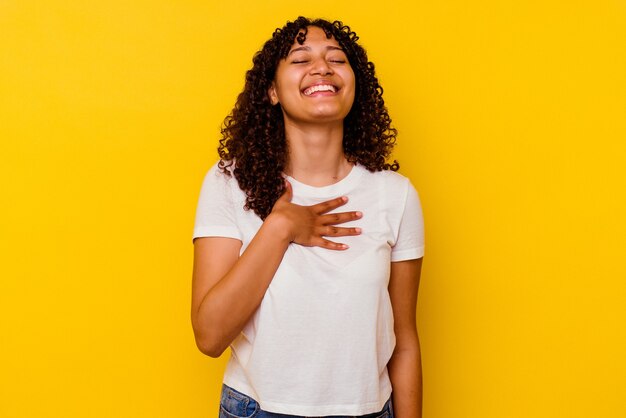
x: 311, y: 224
x: 329, y: 205
x: 339, y: 218
x: 336, y: 231
x: 329, y: 245
x: 332, y: 231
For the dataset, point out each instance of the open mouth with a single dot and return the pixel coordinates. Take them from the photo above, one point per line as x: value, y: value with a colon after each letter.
x: 320, y: 87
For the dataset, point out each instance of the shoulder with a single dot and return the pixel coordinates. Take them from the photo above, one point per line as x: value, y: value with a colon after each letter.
x: 391, y: 182
x: 217, y: 177
x: 220, y: 184
x: 215, y: 173
x: 395, y: 192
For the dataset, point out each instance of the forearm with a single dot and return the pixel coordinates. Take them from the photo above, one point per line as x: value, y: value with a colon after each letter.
x: 227, y: 306
x: 405, y: 372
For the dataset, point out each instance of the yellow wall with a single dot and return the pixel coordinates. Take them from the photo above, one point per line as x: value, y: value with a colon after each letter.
x: 512, y: 126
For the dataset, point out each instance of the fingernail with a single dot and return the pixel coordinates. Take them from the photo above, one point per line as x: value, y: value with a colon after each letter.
x: 344, y: 198
x: 359, y: 214
x: 345, y: 247
x: 358, y: 230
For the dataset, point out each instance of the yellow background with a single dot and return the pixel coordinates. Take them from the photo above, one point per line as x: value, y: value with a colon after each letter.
x: 512, y: 126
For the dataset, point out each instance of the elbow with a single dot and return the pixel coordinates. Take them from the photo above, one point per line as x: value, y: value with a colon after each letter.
x: 210, y: 349
x: 209, y: 345
x: 210, y: 337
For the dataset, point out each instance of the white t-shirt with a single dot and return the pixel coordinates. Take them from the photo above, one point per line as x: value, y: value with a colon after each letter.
x: 320, y: 341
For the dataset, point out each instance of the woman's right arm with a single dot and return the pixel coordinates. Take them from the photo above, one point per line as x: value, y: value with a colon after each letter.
x: 228, y: 288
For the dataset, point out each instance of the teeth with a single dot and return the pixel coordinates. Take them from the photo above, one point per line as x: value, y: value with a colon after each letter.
x: 320, y: 87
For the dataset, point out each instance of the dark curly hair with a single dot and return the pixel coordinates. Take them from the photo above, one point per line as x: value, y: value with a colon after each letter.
x: 253, y: 146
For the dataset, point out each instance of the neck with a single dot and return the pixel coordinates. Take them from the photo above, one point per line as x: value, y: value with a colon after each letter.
x: 316, y: 154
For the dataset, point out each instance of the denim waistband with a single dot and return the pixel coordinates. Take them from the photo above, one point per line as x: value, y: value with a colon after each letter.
x: 234, y: 404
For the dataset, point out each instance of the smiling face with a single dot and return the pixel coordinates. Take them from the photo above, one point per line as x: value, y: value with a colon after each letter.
x: 315, y: 82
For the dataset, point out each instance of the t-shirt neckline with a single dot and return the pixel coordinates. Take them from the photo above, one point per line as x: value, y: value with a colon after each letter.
x: 332, y: 190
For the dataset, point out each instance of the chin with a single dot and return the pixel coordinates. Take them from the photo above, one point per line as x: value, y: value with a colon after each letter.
x: 329, y: 114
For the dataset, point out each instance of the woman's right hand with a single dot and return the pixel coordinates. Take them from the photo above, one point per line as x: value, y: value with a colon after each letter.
x: 308, y: 225
x: 228, y: 286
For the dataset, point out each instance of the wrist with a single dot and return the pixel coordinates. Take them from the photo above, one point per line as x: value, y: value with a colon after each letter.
x: 278, y: 226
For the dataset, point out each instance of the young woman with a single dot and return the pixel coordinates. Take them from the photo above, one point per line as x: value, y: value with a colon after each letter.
x: 308, y: 244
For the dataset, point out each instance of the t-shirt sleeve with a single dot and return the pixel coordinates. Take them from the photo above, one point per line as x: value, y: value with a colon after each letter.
x: 410, y: 242
x: 215, y: 213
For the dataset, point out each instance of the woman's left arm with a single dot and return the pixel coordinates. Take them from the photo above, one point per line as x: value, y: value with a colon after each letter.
x: 405, y: 366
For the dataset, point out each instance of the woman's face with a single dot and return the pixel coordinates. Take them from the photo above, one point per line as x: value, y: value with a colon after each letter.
x: 315, y: 82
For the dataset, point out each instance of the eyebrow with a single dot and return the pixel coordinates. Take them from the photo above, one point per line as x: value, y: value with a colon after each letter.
x: 308, y: 48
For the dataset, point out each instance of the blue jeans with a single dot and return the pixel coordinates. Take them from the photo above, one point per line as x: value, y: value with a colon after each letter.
x: 235, y: 404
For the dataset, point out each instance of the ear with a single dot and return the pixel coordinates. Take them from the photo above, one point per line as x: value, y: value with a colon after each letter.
x: 271, y: 93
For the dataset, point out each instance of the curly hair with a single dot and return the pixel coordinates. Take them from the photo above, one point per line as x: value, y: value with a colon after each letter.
x: 253, y: 146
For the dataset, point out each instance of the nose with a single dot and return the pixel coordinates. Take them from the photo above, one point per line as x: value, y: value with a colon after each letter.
x: 320, y: 67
